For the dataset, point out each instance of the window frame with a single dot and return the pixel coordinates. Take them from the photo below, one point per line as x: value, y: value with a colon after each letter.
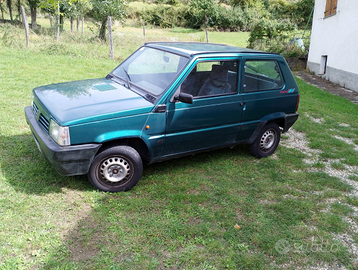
x: 279, y: 87
x: 215, y: 60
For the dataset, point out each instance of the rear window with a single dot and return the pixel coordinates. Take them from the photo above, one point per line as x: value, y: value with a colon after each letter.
x: 262, y: 75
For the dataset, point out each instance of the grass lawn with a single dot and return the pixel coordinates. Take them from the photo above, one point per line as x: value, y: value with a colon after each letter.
x: 219, y: 210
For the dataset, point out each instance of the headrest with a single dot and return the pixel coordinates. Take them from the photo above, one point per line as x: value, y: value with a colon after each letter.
x: 219, y: 73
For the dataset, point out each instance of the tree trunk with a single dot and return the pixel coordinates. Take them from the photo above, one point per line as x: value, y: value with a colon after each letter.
x: 19, y: 9
x: 9, y: 5
x: 102, y: 30
x: 2, y: 10
x: 71, y: 20
x: 61, y: 21
x: 78, y: 22
x: 51, y: 21
x: 33, y: 10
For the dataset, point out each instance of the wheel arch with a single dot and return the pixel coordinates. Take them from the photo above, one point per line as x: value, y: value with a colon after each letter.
x: 136, y: 143
x: 279, y: 119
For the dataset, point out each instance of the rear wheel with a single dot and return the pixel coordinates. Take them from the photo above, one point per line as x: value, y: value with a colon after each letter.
x: 116, y: 169
x: 267, y: 141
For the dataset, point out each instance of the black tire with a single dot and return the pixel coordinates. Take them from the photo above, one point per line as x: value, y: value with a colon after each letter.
x: 267, y: 141
x: 116, y: 169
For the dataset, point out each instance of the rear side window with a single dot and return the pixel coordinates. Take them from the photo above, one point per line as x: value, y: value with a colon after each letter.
x: 262, y: 75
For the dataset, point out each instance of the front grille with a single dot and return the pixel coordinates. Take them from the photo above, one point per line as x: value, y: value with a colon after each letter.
x: 44, y: 122
x: 41, y: 118
x: 34, y: 108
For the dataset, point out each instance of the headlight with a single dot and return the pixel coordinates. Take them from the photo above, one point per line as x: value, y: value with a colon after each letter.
x: 61, y: 135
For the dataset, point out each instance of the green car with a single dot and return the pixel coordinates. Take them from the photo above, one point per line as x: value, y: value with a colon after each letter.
x: 166, y: 100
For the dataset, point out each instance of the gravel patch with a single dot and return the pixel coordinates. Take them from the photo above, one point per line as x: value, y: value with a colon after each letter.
x: 297, y: 140
x: 348, y: 141
x: 314, y: 119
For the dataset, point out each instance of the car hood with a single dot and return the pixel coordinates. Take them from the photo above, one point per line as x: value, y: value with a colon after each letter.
x: 89, y: 100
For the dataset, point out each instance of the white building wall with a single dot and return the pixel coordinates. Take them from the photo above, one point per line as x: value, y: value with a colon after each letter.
x: 336, y: 37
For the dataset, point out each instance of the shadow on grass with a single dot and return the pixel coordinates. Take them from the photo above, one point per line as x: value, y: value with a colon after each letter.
x: 27, y: 170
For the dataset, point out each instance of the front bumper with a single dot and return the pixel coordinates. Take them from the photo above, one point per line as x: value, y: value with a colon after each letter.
x: 67, y: 160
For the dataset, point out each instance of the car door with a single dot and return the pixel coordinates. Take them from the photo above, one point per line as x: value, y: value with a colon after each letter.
x: 265, y: 92
x: 214, y: 117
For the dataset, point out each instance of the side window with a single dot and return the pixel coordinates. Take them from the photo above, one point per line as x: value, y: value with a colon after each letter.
x: 211, y: 78
x: 261, y: 75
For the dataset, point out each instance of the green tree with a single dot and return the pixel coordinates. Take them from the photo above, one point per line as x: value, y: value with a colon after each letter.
x: 70, y: 10
x: 202, y: 11
x: 246, y: 3
x: 304, y: 11
x: 54, y: 7
x: 33, y: 4
x: 101, y: 9
x: 299, y: 12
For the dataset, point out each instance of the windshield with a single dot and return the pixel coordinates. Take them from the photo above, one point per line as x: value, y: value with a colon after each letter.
x: 150, y: 69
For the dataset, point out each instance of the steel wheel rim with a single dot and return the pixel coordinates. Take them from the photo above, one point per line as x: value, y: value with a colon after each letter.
x: 115, y: 169
x: 268, y: 139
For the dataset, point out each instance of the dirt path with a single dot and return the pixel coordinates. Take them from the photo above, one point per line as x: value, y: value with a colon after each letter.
x: 325, y: 85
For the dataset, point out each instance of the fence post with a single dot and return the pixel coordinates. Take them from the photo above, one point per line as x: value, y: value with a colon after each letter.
x: 58, y: 22
x: 110, y: 37
x: 26, y: 25
x: 206, y: 29
x: 143, y: 28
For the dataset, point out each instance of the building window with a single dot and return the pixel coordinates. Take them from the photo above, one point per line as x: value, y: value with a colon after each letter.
x: 331, y: 8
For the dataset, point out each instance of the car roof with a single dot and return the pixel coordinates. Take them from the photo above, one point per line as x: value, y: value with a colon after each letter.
x: 195, y: 48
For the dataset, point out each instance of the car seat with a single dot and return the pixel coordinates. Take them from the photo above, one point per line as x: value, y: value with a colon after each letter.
x: 217, y: 83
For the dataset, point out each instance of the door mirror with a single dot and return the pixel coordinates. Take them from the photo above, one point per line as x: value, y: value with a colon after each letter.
x: 184, y: 97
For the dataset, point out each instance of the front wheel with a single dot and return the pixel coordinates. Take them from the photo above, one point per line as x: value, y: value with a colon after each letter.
x: 267, y: 141
x: 116, y: 169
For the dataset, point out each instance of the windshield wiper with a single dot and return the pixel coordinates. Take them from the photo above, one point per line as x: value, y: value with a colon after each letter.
x: 128, y: 79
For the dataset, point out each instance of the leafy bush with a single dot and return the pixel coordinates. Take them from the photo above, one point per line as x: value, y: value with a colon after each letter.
x: 222, y: 17
x: 219, y: 17
x: 268, y: 29
x: 161, y: 15
x: 276, y: 36
x: 299, y: 12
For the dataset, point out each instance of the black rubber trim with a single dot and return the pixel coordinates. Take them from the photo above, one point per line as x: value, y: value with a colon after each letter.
x: 290, y: 119
x: 256, y: 132
x: 67, y: 160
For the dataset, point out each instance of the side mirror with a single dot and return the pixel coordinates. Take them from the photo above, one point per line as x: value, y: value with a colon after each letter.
x: 184, y: 97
